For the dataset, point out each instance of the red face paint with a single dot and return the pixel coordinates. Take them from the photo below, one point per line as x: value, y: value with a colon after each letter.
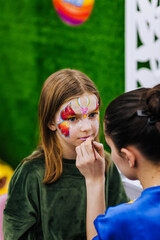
x: 97, y: 105
x: 66, y: 114
x: 64, y: 128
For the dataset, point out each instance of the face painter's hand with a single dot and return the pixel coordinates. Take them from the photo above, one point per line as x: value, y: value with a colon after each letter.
x: 91, y: 160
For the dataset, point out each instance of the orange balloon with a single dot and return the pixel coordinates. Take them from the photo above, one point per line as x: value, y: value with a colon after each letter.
x: 73, y: 12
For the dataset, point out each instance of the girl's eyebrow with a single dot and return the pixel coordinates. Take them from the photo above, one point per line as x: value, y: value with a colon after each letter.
x: 67, y: 112
x: 96, y: 109
x: 71, y: 115
x: 89, y: 112
x: 93, y: 111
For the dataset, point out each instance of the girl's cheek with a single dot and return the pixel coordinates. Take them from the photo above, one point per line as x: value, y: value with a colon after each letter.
x: 96, y: 123
x: 74, y: 128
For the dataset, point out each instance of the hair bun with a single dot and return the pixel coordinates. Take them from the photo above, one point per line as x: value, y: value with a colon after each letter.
x: 153, y: 100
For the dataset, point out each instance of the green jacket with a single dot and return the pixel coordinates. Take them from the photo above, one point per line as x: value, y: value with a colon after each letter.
x: 56, y: 211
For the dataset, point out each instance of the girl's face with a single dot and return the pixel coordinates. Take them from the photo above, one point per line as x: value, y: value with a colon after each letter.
x: 75, y: 121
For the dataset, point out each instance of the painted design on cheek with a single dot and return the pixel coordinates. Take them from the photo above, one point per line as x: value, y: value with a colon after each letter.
x: 84, y: 110
x: 64, y: 115
x: 64, y: 128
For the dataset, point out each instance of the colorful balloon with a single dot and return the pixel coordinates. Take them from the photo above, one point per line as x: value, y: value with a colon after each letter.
x: 6, y: 173
x: 73, y: 12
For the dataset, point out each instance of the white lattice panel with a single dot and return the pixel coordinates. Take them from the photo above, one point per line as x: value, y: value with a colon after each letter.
x: 142, y: 43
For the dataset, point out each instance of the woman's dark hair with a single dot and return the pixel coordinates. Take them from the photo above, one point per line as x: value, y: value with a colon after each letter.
x: 133, y: 118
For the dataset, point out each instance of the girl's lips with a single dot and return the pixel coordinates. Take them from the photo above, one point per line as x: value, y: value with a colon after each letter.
x: 84, y: 138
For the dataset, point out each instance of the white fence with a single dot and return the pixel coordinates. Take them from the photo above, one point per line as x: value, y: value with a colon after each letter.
x: 142, y: 43
x: 142, y: 56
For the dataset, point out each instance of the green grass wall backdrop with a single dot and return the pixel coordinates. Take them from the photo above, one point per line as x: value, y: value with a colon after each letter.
x: 34, y: 43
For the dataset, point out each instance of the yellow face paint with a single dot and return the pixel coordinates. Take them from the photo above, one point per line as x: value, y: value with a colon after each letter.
x: 84, y: 116
x: 84, y: 109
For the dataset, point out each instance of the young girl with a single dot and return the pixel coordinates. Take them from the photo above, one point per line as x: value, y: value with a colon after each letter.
x: 47, y: 193
x: 132, y: 130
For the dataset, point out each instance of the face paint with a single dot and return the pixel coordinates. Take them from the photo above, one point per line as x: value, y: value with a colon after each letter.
x: 84, y: 110
x: 64, y: 128
x: 65, y: 114
x: 97, y: 109
x: 88, y: 104
x: 97, y: 105
x: 78, y: 118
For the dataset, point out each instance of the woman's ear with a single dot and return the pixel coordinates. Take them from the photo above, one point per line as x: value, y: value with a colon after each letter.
x: 52, y: 126
x: 129, y: 155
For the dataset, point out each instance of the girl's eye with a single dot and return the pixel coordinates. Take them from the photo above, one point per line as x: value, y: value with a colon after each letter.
x: 93, y: 114
x: 72, y: 119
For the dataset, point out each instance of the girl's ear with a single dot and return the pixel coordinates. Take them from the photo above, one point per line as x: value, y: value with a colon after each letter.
x: 129, y: 155
x: 52, y: 126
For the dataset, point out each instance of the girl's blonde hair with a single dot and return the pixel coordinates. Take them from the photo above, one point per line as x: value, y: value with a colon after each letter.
x: 59, y: 88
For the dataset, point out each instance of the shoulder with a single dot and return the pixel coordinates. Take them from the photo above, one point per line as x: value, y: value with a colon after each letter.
x: 33, y: 165
x: 115, y: 217
x: 121, y: 210
x: 28, y: 172
x: 121, y: 213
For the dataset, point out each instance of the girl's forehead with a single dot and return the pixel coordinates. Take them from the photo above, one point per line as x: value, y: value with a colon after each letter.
x: 89, y: 102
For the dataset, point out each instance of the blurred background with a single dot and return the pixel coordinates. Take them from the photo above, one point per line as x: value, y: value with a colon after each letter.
x: 34, y: 43
x: 115, y: 43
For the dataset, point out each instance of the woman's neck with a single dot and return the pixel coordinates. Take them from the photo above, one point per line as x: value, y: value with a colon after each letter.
x: 149, y: 176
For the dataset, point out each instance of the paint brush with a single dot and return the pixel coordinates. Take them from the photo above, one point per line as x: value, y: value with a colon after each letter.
x: 94, y: 150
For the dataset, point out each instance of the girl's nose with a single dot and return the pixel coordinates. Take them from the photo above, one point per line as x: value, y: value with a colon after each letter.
x: 86, y: 124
